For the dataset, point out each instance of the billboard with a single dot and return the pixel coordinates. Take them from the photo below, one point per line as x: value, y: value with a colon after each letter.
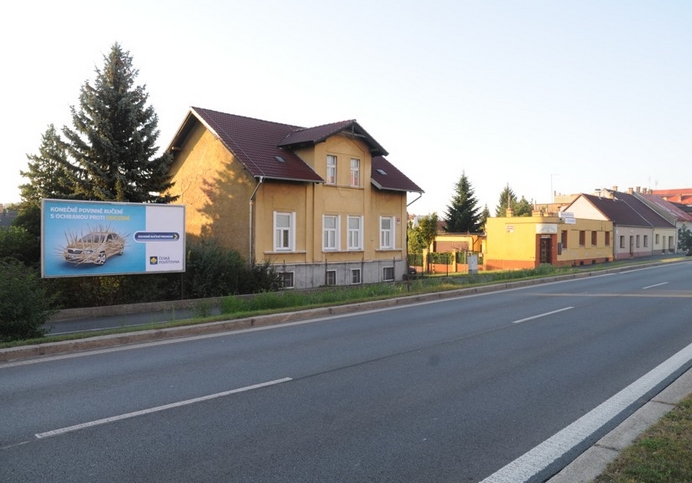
x: 93, y: 238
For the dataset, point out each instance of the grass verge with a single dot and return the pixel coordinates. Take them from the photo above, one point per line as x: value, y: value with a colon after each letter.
x: 661, y: 454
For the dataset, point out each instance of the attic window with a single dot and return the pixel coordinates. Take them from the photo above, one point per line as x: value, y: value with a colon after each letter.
x: 381, y: 171
x: 280, y: 159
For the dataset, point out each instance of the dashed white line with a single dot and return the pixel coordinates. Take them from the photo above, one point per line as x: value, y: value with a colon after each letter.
x: 655, y: 285
x: 542, y: 315
x: 156, y: 409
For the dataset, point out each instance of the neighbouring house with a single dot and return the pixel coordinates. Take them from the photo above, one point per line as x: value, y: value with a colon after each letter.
x: 523, y: 242
x: 638, y: 230
x: 323, y: 205
x: 672, y: 213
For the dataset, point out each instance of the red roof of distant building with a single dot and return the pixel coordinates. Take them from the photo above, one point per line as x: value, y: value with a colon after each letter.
x: 682, y: 195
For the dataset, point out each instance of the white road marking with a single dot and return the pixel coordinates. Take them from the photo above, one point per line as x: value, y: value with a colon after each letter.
x: 156, y: 409
x: 542, y: 315
x: 655, y: 285
x: 539, y: 458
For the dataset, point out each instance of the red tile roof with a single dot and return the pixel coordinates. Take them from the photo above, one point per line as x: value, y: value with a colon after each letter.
x: 667, y: 207
x: 265, y: 148
x: 385, y: 176
x: 682, y: 196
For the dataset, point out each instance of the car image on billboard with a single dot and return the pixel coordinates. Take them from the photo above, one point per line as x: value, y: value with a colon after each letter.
x: 95, y: 247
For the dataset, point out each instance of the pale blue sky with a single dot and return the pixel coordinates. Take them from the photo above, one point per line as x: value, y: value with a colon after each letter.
x: 572, y: 95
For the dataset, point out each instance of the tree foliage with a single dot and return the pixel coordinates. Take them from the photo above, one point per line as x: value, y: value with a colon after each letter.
x: 520, y: 207
x: 47, y: 178
x: 685, y: 240
x: 462, y: 214
x: 420, y: 237
x: 25, y: 305
x: 112, y: 149
x: 19, y: 244
x: 47, y: 173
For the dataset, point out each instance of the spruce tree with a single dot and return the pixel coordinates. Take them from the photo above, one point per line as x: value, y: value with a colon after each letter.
x: 462, y: 215
x: 47, y: 178
x: 47, y: 174
x: 112, y: 146
x: 507, y: 199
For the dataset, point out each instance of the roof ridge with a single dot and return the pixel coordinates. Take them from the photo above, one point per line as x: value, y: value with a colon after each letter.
x: 293, y: 126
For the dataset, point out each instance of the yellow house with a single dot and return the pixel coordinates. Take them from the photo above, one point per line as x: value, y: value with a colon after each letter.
x: 322, y: 204
x: 527, y: 242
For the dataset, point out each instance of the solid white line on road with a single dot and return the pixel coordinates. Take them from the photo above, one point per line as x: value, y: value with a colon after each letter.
x: 539, y: 458
x: 187, y: 402
x: 542, y: 315
x: 655, y: 285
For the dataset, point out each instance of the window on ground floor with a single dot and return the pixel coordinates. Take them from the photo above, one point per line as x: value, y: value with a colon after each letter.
x: 355, y: 276
x: 330, y: 277
x: 287, y: 279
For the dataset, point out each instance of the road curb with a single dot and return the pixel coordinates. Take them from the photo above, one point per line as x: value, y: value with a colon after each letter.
x: 592, y: 462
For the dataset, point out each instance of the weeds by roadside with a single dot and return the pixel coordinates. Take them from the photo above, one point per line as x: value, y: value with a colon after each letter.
x: 661, y: 454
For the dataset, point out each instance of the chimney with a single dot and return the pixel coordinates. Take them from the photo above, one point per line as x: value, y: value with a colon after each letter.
x: 615, y: 188
x: 638, y: 189
x: 630, y: 190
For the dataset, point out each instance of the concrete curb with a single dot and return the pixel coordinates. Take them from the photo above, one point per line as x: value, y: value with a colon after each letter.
x: 592, y: 462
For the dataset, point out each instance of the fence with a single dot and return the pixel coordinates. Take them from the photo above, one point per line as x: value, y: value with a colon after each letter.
x: 443, y: 262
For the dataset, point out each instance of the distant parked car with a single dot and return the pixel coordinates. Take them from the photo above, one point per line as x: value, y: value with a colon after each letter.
x: 95, y: 247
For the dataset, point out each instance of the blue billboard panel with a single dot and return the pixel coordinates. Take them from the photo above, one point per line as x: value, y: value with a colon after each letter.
x: 89, y: 238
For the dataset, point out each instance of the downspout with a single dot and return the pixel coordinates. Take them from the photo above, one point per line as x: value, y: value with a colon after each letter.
x: 420, y: 195
x: 251, y: 258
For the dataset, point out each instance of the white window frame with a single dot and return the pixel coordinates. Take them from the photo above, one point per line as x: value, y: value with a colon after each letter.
x: 355, y: 172
x: 330, y: 278
x: 355, y: 235
x: 331, y: 169
x: 387, y: 234
x: 385, y: 271
x: 331, y: 235
x: 284, y: 236
x: 356, y: 276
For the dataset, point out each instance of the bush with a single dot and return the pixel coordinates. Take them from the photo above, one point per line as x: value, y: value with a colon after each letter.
x: 211, y: 270
x: 25, y: 305
x: 18, y: 243
x: 215, y: 271
x: 74, y: 292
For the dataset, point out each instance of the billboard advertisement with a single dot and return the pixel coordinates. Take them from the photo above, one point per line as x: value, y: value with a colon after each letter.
x: 93, y: 238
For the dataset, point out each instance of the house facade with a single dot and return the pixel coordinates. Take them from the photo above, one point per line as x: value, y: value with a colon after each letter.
x: 638, y: 231
x: 673, y: 214
x: 514, y: 243
x: 323, y: 205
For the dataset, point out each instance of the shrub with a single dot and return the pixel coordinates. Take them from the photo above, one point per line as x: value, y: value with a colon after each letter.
x: 25, y: 305
x: 18, y: 243
x: 211, y: 270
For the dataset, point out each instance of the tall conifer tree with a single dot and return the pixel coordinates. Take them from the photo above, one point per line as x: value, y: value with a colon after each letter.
x: 47, y: 171
x: 462, y: 215
x: 112, y: 144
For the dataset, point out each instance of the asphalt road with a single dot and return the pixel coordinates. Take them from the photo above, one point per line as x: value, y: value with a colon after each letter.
x: 453, y: 390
